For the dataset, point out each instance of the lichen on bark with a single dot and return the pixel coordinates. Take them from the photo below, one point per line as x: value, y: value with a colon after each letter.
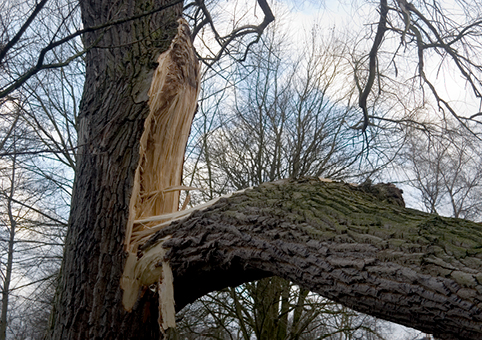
x: 347, y: 244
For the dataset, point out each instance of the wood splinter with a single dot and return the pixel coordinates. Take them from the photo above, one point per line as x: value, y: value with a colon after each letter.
x: 157, y: 183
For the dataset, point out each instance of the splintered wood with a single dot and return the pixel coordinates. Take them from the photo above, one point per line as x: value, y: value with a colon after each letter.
x: 172, y: 103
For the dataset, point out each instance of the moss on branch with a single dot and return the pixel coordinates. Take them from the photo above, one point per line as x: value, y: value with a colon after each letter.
x: 348, y: 243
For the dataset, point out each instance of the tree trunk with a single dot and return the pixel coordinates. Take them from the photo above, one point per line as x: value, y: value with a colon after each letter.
x: 10, y: 252
x: 416, y: 269
x: 344, y: 242
x: 114, y: 106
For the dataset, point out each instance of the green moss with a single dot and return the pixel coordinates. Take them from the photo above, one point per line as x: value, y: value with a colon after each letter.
x: 340, y: 212
x: 365, y: 238
x: 475, y: 252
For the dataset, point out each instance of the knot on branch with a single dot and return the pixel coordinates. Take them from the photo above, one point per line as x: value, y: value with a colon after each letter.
x: 385, y: 192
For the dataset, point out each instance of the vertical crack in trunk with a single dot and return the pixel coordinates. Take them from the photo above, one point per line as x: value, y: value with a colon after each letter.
x: 172, y: 103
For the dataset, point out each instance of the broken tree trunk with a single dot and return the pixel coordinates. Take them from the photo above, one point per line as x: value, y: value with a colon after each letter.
x: 119, y: 72
x: 356, y: 248
x: 172, y: 104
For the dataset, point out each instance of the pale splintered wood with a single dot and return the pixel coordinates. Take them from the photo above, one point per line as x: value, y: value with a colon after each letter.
x: 172, y: 102
x: 157, y: 183
x: 163, y: 220
x: 145, y: 271
x: 165, y: 289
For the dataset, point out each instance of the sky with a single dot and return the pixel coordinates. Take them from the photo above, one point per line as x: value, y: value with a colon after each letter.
x: 346, y: 15
x: 349, y: 16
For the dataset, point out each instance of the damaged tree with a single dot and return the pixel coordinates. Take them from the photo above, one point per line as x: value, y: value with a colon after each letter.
x: 357, y: 245
x: 172, y: 103
x: 341, y: 241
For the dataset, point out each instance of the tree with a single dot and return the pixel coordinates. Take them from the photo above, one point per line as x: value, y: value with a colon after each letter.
x: 283, y: 122
x: 31, y: 237
x: 37, y: 146
x: 38, y: 131
x: 274, y: 308
x: 446, y: 170
x: 123, y: 41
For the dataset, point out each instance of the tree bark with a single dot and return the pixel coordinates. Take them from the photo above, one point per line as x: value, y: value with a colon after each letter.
x: 114, y: 106
x: 413, y: 268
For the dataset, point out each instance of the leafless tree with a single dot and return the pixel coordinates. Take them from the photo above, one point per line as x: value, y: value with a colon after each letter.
x: 445, y: 167
x: 282, y: 119
x: 32, y: 237
x: 38, y: 143
x: 274, y: 309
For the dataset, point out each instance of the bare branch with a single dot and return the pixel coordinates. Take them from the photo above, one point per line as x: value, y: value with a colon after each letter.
x: 14, y: 40
x: 382, y: 27
x: 225, y: 41
x: 40, y: 60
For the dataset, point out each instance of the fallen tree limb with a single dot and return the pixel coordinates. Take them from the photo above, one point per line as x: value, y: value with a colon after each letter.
x: 341, y: 241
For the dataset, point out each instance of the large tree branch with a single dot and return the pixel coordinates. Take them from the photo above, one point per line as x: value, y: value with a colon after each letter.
x: 355, y: 245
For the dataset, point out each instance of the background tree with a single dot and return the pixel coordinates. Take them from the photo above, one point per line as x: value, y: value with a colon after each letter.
x: 445, y: 168
x: 38, y: 142
x: 284, y: 116
x: 253, y: 310
x: 31, y: 238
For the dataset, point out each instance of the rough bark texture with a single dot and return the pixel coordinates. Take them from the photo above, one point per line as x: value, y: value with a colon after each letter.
x: 113, y: 110
x: 351, y: 246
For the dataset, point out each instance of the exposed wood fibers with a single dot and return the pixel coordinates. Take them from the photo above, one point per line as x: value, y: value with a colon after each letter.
x: 157, y: 184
